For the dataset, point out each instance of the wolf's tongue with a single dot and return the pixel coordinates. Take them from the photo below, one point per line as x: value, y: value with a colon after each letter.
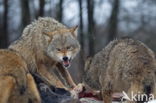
x: 66, y: 62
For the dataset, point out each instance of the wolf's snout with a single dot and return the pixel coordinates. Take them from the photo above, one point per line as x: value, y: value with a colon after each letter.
x: 66, y: 61
x: 65, y: 58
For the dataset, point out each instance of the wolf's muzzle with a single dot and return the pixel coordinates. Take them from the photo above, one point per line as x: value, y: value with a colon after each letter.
x: 66, y: 61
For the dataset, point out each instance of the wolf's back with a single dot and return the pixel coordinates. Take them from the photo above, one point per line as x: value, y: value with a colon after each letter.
x: 13, y: 65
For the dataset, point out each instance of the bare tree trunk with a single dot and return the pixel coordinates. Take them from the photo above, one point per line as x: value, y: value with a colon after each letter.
x: 4, y: 33
x: 113, y: 21
x: 91, y: 26
x: 81, y: 59
x: 81, y: 25
x: 60, y: 11
x: 25, y: 13
x: 41, y: 11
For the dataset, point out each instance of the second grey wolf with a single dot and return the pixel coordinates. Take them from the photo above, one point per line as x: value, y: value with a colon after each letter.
x: 123, y: 65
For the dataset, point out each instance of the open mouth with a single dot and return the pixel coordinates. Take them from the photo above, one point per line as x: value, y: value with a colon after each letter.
x: 66, y: 63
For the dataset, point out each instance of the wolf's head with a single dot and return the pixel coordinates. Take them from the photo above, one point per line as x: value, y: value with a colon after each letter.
x: 63, y: 45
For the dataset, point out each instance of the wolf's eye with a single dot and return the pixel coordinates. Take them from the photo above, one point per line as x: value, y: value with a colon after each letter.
x: 58, y: 49
x: 69, y: 48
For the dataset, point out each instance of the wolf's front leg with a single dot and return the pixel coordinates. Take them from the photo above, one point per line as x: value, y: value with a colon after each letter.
x: 49, y: 77
x: 107, y: 96
x: 66, y: 75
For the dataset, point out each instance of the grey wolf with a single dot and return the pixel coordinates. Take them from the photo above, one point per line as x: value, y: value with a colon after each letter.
x: 123, y: 65
x: 17, y: 84
x: 46, y: 44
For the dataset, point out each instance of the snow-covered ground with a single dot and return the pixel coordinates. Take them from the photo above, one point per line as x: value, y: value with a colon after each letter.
x: 90, y: 100
x: 153, y: 101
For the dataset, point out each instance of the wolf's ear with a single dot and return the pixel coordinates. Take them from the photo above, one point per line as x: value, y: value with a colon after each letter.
x: 48, y: 36
x: 74, y: 31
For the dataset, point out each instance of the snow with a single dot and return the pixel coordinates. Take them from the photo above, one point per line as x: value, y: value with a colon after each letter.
x: 153, y: 101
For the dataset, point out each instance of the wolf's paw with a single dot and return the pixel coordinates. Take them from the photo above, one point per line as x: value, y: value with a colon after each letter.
x: 74, y: 94
x: 79, y: 88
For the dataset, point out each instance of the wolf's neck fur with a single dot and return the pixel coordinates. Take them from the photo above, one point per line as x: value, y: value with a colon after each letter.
x: 32, y: 43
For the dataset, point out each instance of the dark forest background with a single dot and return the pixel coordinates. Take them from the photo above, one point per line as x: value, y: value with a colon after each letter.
x: 100, y: 21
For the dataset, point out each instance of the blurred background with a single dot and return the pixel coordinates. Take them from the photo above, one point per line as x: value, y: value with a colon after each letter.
x: 100, y: 21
